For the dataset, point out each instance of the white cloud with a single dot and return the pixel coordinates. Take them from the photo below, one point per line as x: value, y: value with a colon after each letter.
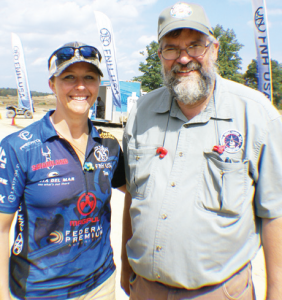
x: 146, y: 40
x: 274, y: 12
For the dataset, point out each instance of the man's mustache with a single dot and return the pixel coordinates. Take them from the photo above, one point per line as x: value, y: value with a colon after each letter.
x: 190, y: 66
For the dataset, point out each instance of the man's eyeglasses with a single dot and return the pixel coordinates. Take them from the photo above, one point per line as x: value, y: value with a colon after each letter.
x: 196, y: 50
x: 66, y: 53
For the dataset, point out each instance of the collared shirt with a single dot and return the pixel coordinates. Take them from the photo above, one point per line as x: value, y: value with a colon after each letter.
x: 194, y: 212
x: 62, y: 238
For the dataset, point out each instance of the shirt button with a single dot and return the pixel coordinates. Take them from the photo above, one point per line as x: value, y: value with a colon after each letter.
x: 164, y: 216
x: 159, y: 248
x: 180, y: 154
x: 137, y: 157
x: 173, y: 184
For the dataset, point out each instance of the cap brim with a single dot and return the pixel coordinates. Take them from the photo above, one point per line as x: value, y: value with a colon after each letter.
x: 178, y: 24
x: 74, y: 60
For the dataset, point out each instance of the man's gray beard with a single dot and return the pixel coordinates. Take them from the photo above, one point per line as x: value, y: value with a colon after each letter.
x: 188, y: 89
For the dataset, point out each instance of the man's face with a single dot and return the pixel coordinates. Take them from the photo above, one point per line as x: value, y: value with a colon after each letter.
x: 190, y: 79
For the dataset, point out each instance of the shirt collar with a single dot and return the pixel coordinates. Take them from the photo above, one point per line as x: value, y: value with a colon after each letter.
x: 48, y: 131
x: 217, y: 108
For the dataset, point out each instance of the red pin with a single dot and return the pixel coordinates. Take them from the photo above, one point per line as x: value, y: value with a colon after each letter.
x: 219, y: 149
x: 162, y: 152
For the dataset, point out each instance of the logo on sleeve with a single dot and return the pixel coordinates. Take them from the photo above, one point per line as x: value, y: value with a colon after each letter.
x: 25, y: 135
x: 233, y: 141
x: 2, y: 198
x: 3, y: 159
x: 18, y: 245
x: 3, y: 181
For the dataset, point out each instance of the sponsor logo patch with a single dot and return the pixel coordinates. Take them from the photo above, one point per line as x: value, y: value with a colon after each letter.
x: 2, y: 198
x: 233, y: 141
x: 31, y: 145
x: 101, y: 153
x: 3, y: 159
x: 18, y: 245
x: 86, y: 203
x: 25, y: 135
x: 3, y: 181
x: 181, y: 10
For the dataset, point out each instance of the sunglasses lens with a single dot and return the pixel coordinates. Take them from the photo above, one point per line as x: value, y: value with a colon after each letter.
x: 90, y: 52
x: 63, y: 55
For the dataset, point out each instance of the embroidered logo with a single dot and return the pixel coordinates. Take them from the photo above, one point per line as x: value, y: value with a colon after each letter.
x: 25, y: 135
x: 233, y: 141
x: 181, y: 10
x: 101, y: 153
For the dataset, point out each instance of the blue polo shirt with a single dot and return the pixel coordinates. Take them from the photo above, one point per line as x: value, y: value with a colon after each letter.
x: 62, y: 237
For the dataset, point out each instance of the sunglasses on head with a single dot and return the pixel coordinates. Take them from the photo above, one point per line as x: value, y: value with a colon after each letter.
x: 66, y: 53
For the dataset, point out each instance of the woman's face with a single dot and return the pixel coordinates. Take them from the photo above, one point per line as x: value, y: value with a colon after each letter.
x: 76, y: 89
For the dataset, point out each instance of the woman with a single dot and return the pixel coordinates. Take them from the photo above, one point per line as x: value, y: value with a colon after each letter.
x: 58, y: 173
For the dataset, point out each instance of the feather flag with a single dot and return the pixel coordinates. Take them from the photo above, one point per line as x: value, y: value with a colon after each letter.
x: 263, y: 49
x: 108, y: 44
x: 24, y: 96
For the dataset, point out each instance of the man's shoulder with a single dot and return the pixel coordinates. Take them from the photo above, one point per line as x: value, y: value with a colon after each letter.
x: 252, y: 99
x: 153, y: 95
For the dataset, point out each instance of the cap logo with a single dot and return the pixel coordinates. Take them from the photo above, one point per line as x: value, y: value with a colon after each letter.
x: 181, y: 10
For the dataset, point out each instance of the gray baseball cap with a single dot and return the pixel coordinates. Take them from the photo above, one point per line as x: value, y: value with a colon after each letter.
x: 71, y: 53
x: 183, y: 15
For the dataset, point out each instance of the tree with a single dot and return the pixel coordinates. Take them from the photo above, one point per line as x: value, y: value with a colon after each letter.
x: 250, y: 75
x: 152, y: 77
x: 229, y: 61
x: 251, y: 79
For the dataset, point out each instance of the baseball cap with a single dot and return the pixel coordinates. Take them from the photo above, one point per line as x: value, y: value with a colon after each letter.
x: 71, y: 53
x: 183, y: 15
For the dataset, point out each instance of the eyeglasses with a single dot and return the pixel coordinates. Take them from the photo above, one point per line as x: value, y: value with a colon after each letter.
x: 196, y: 50
x: 66, y: 53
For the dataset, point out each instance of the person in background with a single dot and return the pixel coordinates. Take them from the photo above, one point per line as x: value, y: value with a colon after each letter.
x: 204, y: 171
x: 100, y: 108
x: 57, y: 174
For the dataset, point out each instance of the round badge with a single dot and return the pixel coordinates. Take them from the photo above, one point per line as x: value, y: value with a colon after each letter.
x: 181, y: 10
x: 233, y: 141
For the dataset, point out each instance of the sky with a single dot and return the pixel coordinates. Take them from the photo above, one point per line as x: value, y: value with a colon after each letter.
x: 45, y: 25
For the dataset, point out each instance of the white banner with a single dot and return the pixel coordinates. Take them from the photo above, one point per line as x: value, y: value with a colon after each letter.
x: 24, y: 96
x: 263, y: 49
x: 107, y: 39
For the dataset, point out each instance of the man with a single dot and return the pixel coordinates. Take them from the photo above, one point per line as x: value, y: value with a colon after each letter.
x: 204, y: 172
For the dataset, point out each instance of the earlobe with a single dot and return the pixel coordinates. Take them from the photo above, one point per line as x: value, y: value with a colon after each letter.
x: 52, y: 86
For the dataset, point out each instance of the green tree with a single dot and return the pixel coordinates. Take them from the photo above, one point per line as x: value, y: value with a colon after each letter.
x: 250, y: 76
x: 251, y: 79
x: 229, y: 61
x: 152, y: 77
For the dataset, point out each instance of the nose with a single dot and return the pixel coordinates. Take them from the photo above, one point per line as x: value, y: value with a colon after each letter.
x: 184, y: 57
x: 80, y: 84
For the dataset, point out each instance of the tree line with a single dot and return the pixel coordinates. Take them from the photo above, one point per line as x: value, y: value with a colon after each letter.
x: 228, y: 65
x: 13, y: 92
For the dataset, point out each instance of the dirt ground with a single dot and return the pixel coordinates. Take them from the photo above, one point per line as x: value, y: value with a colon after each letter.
x: 6, y: 127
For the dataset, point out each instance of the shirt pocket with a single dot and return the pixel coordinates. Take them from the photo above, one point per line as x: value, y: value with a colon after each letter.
x: 223, y: 185
x: 141, y: 166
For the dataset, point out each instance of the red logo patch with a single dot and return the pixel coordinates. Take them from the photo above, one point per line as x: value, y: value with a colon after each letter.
x: 86, y: 203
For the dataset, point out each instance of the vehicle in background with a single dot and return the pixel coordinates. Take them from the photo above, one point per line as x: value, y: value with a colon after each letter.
x: 14, y: 110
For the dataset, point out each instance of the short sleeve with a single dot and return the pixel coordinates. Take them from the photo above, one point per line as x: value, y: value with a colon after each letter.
x: 119, y: 174
x: 12, y: 178
x: 268, y: 197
